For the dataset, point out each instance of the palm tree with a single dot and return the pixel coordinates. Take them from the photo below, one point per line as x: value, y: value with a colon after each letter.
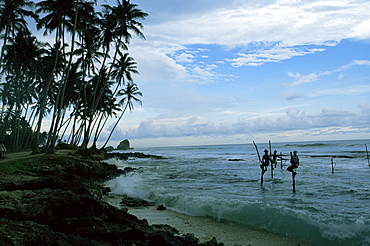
x: 130, y: 94
x: 122, y: 20
x: 12, y: 18
x: 108, y: 111
x: 56, y: 13
x: 99, y: 85
x: 123, y: 69
x: 125, y: 16
x: 21, y: 65
x: 66, y: 78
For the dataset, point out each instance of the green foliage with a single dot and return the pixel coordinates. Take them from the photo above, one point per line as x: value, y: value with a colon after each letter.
x: 64, y: 145
x: 13, y: 166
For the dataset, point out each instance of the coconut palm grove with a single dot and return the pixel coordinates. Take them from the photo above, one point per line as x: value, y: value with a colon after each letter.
x: 65, y: 89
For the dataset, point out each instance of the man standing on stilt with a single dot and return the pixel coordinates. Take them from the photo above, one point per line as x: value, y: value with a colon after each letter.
x: 294, y: 161
x: 265, y: 161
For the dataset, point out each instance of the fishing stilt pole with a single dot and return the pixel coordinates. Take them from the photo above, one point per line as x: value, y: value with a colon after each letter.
x: 259, y: 158
x: 293, y: 172
x: 272, y: 164
x: 332, y: 165
x: 281, y: 160
x: 367, y: 154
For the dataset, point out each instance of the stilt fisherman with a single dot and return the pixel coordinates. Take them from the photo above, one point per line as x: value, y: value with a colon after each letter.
x: 294, y: 161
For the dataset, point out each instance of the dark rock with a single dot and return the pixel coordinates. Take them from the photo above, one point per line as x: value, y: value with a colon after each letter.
x: 109, y: 148
x: 62, y: 204
x: 236, y: 160
x: 130, y: 169
x: 165, y: 228
x: 31, y: 233
x: 161, y: 207
x: 125, y: 156
x: 135, y: 202
x: 167, y: 239
x: 124, y: 145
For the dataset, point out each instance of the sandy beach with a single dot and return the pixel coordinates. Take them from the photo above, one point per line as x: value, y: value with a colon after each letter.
x: 206, y: 228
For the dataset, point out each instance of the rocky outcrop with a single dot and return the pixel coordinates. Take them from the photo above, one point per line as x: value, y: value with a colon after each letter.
x: 135, y: 202
x: 109, y: 148
x: 124, y: 145
x: 125, y: 156
x: 58, y: 202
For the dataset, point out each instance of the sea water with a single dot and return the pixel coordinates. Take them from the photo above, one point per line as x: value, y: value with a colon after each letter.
x: 329, y: 207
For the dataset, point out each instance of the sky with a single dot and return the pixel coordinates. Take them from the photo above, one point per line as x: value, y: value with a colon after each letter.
x: 237, y: 71
x: 221, y: 73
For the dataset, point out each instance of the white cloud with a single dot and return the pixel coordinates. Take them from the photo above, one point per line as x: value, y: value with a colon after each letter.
x: 353, y: 63
x: 308, y: 78
x: 155, y: 65
x: 301, y: 79
x: 290, y: 24
x: 203, y: 74
x: 293, y: 119
x: 301, y: 22
x: 185, y: 57
x: 275, y: 54
x: 350, y: 90
x: 361, y: 30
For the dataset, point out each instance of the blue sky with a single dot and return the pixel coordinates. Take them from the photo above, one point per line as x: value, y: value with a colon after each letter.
x: 215, y: 73
x: 237, y: 71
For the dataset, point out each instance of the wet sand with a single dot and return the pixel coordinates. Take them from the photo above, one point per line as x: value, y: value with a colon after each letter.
x: 206, y: 228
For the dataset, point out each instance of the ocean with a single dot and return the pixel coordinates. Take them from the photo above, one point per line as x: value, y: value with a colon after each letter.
x: 329, y: 207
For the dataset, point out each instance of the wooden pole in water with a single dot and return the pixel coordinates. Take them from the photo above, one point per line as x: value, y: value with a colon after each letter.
x: 281, y: 160
x: 293, y: 172
x: 259, y: 158
x: 332, y: 165
x: 367, y: 154
x: 272, y: 164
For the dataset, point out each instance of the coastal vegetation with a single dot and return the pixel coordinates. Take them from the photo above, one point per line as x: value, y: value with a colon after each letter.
x: 65, y: 71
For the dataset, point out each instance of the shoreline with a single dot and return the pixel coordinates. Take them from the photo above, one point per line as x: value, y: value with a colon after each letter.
x: 57, y: 199
x: 61, y: 199
x: 205, y: 228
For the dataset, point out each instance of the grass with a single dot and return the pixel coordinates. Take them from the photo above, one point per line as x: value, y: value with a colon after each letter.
x: 13, y: 166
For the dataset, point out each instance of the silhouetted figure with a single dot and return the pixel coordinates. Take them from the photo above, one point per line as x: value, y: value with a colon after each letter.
x: 294, y: 161
x: 274, y: 158
x: 265, y: 161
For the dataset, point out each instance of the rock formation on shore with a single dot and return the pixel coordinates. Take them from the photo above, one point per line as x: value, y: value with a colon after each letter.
x: 57, y: 200
x: 124, y: 145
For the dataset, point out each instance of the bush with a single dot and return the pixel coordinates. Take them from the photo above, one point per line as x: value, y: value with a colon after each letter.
x: 63, y: 145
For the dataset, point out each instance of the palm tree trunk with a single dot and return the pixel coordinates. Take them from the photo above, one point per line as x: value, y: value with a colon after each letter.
x: 4, y: 44
x: 97, y: 129
x: 61, y: 92
x: 44, y: 97
x: 114, y: 127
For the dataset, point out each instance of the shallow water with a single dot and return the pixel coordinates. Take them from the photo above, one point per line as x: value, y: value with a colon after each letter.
x: 326, y: 209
